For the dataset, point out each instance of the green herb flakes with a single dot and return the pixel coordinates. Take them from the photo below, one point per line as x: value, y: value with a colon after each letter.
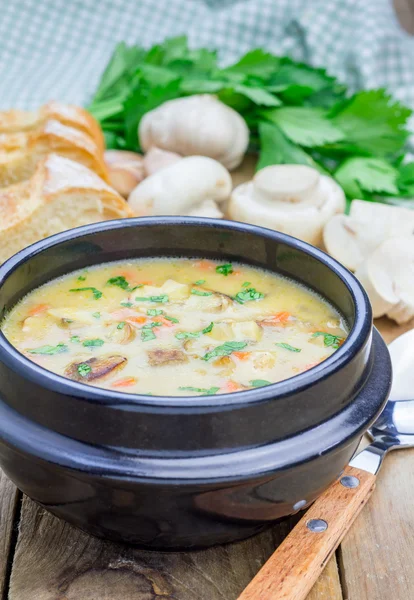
x: 185, y: 335
x: 172, y: 319
x: 288, y: 347
x: 84, y: 369
x: 127, y: 304
x: 225, y: 270
x: 95, y: 343
x: 160, y: 299
x: 50, y: 350
x: 225, y: 349
x: 329, y: 340
x: 147, y: 333
x: 122, y: 283
x: 75, y: 339
x: 121, y: 325
x: 200, y: 282
x: 246, y: 284
x: 82, y: 278
x: 97, y: 315
x: 200, y: 293
x: 96, y: 293
x: 248, y: 295
x: 203, y: 391
x: 260, y: 382
x: 154, y: 312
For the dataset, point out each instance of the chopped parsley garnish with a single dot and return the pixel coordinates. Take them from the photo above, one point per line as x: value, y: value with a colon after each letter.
x: 184, y: 335
x: 49, y: 350
x: 97, y: 315
x: 121, y: 325
x: 200, y: 293
x: 96, y: 293
x: 172, y: 319
x: 93, y: 343
x: 225, y: 270
x: 161, y: 299
x: 246, y: 284
x: 203, y: 391
x: 75, y: 339
x: 122, y: 283
x: 329, y: 340
x: 83, y: 369
x: 225, y: 349
x: 147, y: 333
x: 127, y: 304
x: 248, y: 295
x: 82, y: 278
x: 260, y: 382
x: 288, y: 347
x: 156, y: 312
x: 200, y: 282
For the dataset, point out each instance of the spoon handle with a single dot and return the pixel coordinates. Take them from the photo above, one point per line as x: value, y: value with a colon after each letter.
x: 293, y: 568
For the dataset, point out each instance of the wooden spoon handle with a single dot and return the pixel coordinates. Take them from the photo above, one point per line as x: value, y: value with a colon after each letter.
x: 293, y: 568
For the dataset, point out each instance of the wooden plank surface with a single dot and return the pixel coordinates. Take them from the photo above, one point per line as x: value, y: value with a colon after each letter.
x: 9, y: 500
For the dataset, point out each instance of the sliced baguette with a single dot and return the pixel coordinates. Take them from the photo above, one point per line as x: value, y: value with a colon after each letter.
x: 20, y: 152
x: 15, y: 121
x: 62, y: 194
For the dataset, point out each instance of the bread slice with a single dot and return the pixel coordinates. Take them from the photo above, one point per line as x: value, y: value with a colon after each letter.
x: 15, y: 121
x: 61, y: 194
x: 20, y: 152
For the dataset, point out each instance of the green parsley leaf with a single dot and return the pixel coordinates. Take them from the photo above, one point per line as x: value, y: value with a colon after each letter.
x: 225, y: 349
x: 184, y: 335
x: 203, y: 391
x: 357, y: 175
x: 172, y: 319
x: 256, y: 62
x: 50, y: 350
x: 96, y: 293
x: 200, y: 282
x: 288, y: 347
x: 200, y: 293
x: 81, y: 278
x: 225, y: 270
x: 258, y: 95
x: 121, y: 325
x: 97, y: 315
x: 84, y: 369
x: 260, y: 382
x: 277, y: 149
x: 75, y: 339
x: 147, y: 333
x: 127, y: 304
x: 373, y: 121
x: 161, y: 299
x: 246, y: 284
x: 93, y: 343
x: 247, y: 295
x: 329, y: 340
x: 305, y: 126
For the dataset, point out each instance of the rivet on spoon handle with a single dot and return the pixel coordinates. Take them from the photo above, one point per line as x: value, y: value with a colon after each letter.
x: 294, y: 567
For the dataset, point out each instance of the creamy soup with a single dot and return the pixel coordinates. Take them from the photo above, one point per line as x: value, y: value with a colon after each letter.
x: 177, y: 327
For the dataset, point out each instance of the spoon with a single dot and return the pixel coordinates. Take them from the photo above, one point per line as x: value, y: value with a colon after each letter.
x: 294, y: 567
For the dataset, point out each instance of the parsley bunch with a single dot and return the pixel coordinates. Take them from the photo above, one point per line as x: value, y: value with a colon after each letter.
x: 295, y: 113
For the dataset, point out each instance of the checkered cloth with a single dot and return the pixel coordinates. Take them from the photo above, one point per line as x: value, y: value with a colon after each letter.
x: 58, y: 48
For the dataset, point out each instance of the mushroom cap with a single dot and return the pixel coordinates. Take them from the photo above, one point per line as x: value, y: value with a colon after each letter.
x: 181, y: 188
x: 388, y: 277
x: 196, y: 125
x: 351, y: 239
x: 293, y: 199
x: 156, y: 159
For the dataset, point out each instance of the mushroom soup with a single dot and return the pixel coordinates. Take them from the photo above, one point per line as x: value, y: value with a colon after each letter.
x: 177, y: 327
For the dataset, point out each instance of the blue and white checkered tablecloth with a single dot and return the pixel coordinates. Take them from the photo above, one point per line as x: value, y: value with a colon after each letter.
x: 58, y: 48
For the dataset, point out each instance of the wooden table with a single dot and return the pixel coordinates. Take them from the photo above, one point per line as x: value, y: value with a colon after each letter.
x: 43, y: 558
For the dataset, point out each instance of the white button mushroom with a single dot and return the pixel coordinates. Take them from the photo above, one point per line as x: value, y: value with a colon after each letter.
x: 293, y: 199
x: 196, y: 125
x: 157, y: 159
x: 351, y: 239
x: 388, y: 277
x: 191, y: 186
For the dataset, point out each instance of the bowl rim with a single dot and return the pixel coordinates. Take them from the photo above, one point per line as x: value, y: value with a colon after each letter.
x: 360, y: 331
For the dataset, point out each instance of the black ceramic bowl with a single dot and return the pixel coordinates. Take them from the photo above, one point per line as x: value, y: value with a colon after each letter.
x: 182, y: 472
